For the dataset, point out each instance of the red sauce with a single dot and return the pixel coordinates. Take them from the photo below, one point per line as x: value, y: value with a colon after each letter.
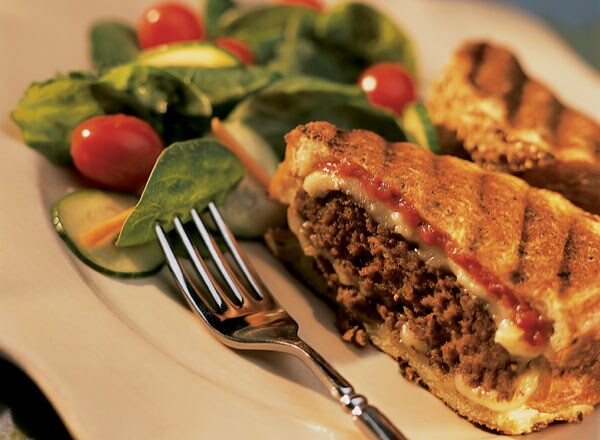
x: 536, y: 329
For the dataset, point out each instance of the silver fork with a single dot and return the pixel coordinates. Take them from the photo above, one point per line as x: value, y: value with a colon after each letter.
x: 250, y: 318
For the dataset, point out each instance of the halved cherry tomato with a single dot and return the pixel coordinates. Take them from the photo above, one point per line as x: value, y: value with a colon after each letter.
x: 166, y: 23
x: 313, y: 4
x: 116, y: 151
x: 237, y: 48
x: 389, y: 86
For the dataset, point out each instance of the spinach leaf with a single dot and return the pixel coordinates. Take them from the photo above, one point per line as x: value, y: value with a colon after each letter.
x: 187, y: 174
x: 279, y: 108
x: 365, y: 34
x: 171, y: 101
x: 177, y: 110
x: 304, y: 56
x: 213, y: 10
x: 112, y: 44
x: 264, y: 28
x: 225, y: 87
x: 50, y: 110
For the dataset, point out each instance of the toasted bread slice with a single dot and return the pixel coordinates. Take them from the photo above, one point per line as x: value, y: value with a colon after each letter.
x: 510, y: 122
x: 488, y: 288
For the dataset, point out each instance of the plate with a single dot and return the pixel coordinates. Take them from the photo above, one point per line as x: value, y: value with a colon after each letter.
x: 126, y: 359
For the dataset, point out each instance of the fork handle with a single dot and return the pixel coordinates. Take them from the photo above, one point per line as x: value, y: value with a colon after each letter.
x: 369, y: 419
x: 375, y: 424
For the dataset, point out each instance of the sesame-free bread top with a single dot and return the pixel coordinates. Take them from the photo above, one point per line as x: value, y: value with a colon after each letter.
x: 538, y: 244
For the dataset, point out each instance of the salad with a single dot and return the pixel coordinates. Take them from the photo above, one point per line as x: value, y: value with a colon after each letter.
x: 185, y: 106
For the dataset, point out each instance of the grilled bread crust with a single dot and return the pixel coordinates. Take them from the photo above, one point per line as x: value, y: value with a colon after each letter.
x: 538, y: 243
x: 510, y: 122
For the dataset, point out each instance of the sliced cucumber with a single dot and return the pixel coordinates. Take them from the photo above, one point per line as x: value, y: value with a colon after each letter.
x: 248, y: 210
x: 418, y: 127
x: 197, y: 54
x: 256, y: 145
x: 80, y: 211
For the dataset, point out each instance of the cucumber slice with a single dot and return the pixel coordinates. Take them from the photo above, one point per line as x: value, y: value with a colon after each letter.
x: 196, y: 54
x: 248, y: 210
x: 418, y: 127
x: 80, y: 211
x: 256, y: 145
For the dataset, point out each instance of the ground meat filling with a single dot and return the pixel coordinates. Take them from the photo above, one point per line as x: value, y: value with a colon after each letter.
x: 397, y: 288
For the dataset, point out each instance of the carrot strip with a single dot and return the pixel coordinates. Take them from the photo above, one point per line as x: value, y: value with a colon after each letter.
x: 105, y: 231
x: 223, y: 135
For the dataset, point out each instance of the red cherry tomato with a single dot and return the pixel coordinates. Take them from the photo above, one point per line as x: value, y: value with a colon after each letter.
x: 116, y: 151
x: 313, y: 4
x: 388, y: 86
x: 167, y: 23
x: 237, y: 48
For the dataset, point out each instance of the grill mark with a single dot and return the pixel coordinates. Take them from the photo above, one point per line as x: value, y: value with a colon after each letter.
x: 481, y: 181
x: 436, y: 191
x: 514, y: 97
x: 554, y: 119
x: 389, y: 154
x: 482, y: 178
x: 525, y: 219
x: 564, y: 272
x: 477, y: 56
x: 435, y: 166
x: 517, y: 275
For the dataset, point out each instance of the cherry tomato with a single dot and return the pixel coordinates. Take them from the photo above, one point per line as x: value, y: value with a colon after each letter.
x: 237, y: 48
x: 388, y: 86
x: 313, y: 4
x: 166, y: 23
x: 116, y: 151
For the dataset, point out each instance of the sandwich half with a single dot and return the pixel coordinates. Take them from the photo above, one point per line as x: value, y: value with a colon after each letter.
x: 507, y: 121
x: 485, y: 289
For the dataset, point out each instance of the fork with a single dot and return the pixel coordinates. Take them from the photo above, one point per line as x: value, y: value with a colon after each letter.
x: 244, y: 315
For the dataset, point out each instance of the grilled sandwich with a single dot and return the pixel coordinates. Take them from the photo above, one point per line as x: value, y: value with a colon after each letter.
x: 509, y: 122
x: 485, y: 289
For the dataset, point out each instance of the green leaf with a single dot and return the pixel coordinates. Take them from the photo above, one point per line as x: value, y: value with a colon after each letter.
x: 187, y: 175
x: 213, y: 10
x: 276, y: 110
x: 177, y: 110
x: 112, y: 44
x: 304, y: 56
x: 365, y: 34
x: 50, y: 111
x: 264, y: 28
x: 227, y: 86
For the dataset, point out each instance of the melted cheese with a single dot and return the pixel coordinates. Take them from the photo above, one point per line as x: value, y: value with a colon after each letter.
x: 526, y: 385
x: 296, y: 225
x: 408, y: 337
x: 319, y: 183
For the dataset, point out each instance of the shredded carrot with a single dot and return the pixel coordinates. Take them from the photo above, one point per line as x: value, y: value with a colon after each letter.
x: 106, y: 231
x: 248, y: 161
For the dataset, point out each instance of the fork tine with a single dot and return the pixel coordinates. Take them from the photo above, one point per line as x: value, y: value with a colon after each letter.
x: 222, y: 301
x: 239, y: 291
x: 193, y: 298
x: 238, y: 254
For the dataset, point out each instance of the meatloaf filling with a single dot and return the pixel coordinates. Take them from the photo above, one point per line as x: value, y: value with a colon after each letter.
x: 380, y: 278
